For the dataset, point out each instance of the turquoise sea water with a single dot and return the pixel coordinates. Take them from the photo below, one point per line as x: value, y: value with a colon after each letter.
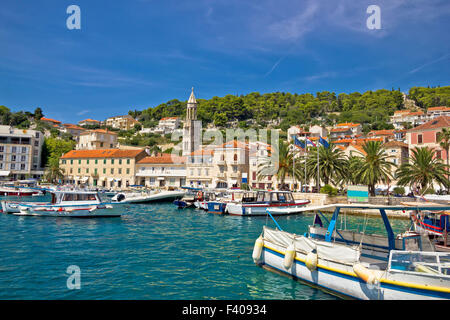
x: 154, y: 251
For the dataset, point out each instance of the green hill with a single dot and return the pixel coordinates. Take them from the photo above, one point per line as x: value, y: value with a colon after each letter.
x: 372, y: 108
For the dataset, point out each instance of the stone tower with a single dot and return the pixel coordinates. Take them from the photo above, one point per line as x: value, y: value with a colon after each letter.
x: 192, y: 127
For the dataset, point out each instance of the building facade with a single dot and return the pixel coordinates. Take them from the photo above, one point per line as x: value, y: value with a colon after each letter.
x: 258, y: 155
x: 427, y: 135
x: 89, y: 122
x: 161, y: 171
x: 20, y: 153
x: 199, y: 169
x: 109, y: 168
x: 231, y: 164
x: 125, y: 122
x: 97, y: 139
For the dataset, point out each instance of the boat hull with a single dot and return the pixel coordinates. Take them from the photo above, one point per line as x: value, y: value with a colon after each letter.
x: 216, y: 207
x: 341, y: 280
x: 13, y: 206
x: 158, y: 197
x: 254, y: 209
x: 88, y: 211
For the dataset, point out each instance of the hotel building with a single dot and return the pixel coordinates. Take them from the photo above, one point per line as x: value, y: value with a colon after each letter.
x: 111, y: 168
x: 161, y: 171
x: 20, y: 153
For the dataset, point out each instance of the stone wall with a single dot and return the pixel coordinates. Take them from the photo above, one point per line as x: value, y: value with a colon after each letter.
x: 319, y: 199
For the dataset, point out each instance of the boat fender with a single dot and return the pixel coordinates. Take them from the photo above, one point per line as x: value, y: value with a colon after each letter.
x: 108, y: 206
x: 365, y: 274
x: 312, y: 260
x: 257, y: 249
x: 289, y: 256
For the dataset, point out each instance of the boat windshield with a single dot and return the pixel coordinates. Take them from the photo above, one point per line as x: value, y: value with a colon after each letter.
x: 263, y: 196
x: 79, y: 197
x: 420, y: 262
x: 282, y: 197
x: 249, y: 197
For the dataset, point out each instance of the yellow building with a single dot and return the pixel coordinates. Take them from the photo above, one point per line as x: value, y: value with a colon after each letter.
x: 110, y: 168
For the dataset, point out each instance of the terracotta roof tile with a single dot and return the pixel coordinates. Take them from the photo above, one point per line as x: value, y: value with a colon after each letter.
x: 439, y: 122
x: 51, y: 120
x: 348, y: 124
x: 340, y: 129
x: 100, y: 131
x: 381, y: 132
x: 162, y: 158
x: 89, y: 120
x: 391, y: 144
x: 441, y: 108
x: 102, y: 153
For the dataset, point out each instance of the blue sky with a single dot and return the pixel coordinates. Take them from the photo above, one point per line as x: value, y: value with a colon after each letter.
x: 137, y: 54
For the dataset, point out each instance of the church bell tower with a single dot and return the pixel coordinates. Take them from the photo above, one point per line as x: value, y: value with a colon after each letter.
x: 192, y: 127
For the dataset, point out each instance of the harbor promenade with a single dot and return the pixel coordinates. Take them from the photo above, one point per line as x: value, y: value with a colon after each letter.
x: 320, y: 199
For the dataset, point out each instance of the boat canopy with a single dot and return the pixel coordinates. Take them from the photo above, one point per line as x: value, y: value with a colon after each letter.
x: 382, y: 209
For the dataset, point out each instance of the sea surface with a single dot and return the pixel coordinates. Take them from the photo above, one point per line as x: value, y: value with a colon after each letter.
x: 154, y: 251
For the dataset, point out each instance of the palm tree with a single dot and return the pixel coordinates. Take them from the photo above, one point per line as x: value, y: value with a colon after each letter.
x: 444, y: 139
x: 53, y: 173
x: 332, y: 164
x: 376, y: 166
x: 354, y: 164
x: 281, y: 167
x: 423, y: 170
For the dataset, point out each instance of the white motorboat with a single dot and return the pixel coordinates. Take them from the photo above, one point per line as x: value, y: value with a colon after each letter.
x: 145, y: 197
x: 281, y: 202
x: 355, y: 264
x: 70, y: 203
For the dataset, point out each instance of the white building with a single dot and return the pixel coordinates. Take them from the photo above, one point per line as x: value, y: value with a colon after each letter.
x: 161, y: 171
x: 97, y: 139
x: 20, y: 153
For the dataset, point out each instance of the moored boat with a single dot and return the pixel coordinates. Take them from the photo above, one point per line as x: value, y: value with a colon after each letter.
x: 19, y: 191
x: 358, y: 265
x: 146, y: 197
x: 282, y: 202
x: 71, y: 203
x: 10, y: 206
x: 434, y: 224
x: 189, y: 198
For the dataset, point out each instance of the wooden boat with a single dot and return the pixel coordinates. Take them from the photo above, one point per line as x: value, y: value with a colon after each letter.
x: 71, y: 203
x: 357, y: 265
x: 146, y: 197
x: 281, y: 202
